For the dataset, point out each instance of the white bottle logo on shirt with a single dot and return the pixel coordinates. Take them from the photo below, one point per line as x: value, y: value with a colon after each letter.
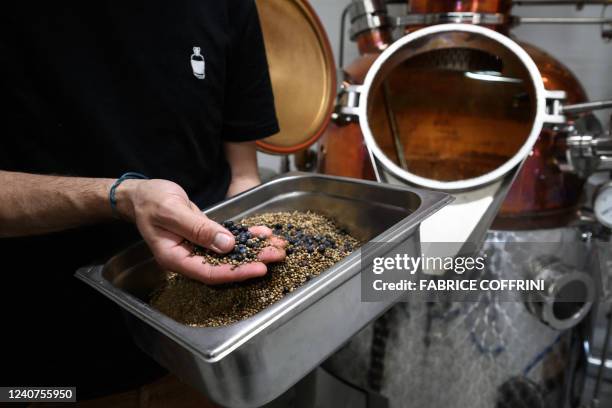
x: 197, y: 64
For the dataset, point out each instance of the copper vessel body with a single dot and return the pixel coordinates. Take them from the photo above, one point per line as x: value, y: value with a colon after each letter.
x: 541, y: 197
x: 342, y: 151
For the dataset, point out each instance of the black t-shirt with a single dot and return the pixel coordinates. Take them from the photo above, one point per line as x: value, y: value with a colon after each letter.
x: 98, y: 89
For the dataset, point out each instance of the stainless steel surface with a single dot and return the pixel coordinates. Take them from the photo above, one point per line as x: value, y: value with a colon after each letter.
x: 367, y: 22
x: 347, y: 109
x: 563, y: 258
x: 367, y: 15
x: 250, y: 363
x: 479, y: 233
x: 358, y: 8
x: 562, y: 282
x: 587, y: 154
x: 441, y: 355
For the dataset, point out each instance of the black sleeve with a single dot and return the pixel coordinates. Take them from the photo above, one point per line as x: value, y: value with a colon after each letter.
x: 248, y: 112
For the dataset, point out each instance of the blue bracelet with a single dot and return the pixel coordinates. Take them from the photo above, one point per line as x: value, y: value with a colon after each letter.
x: 111, y: 195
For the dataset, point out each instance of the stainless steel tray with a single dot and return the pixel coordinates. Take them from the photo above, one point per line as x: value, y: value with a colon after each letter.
x: 249, y: 363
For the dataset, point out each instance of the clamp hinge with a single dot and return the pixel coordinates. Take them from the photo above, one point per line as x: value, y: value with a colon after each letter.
x: 554, y: 107
x: 347, y: 106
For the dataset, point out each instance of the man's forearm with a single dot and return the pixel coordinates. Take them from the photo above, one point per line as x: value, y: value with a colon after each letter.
x: 161, y: 209
x: 34, y: 204
x: 242, y: 158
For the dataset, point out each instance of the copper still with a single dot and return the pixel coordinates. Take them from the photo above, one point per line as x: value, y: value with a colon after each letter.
x: 416, y: 109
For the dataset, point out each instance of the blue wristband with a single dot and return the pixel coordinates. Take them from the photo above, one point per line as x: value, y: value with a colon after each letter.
x: 111, y: 195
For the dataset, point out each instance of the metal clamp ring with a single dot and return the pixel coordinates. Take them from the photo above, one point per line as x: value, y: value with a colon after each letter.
x: 454, y: 17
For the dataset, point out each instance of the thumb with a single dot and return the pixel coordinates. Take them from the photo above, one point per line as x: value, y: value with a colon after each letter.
x: 191, y: 224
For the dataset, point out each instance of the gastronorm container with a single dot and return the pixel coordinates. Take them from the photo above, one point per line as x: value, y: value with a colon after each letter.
x: 250, y: 363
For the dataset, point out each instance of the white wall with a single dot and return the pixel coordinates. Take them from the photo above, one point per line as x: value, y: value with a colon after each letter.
x: 581, y: 48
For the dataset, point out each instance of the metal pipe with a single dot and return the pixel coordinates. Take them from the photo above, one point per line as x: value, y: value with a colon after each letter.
x: 586, y: 107
x: 568, y: 294
x: 342, y: 34
x: 578, y: 3
x: 604, y: 356
x: 562, y: 20
x: 397, y: 141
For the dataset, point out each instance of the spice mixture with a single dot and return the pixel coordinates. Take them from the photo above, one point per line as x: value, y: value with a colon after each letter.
x: 315, y: 243
x: 246, y: 249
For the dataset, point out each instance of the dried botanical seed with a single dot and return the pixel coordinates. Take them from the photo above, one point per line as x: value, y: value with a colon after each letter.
x: 196, y: 304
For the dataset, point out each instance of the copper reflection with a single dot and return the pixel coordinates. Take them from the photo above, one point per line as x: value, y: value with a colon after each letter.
x: 452, y: 126
x: 373, y: 41
x: 342, y: 149
x: 543, y: 196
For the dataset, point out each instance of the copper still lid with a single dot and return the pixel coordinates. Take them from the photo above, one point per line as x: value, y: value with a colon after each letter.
x: 302, y: 71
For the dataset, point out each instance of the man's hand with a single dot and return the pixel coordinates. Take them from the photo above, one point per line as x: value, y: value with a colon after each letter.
x: 166, y: 218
